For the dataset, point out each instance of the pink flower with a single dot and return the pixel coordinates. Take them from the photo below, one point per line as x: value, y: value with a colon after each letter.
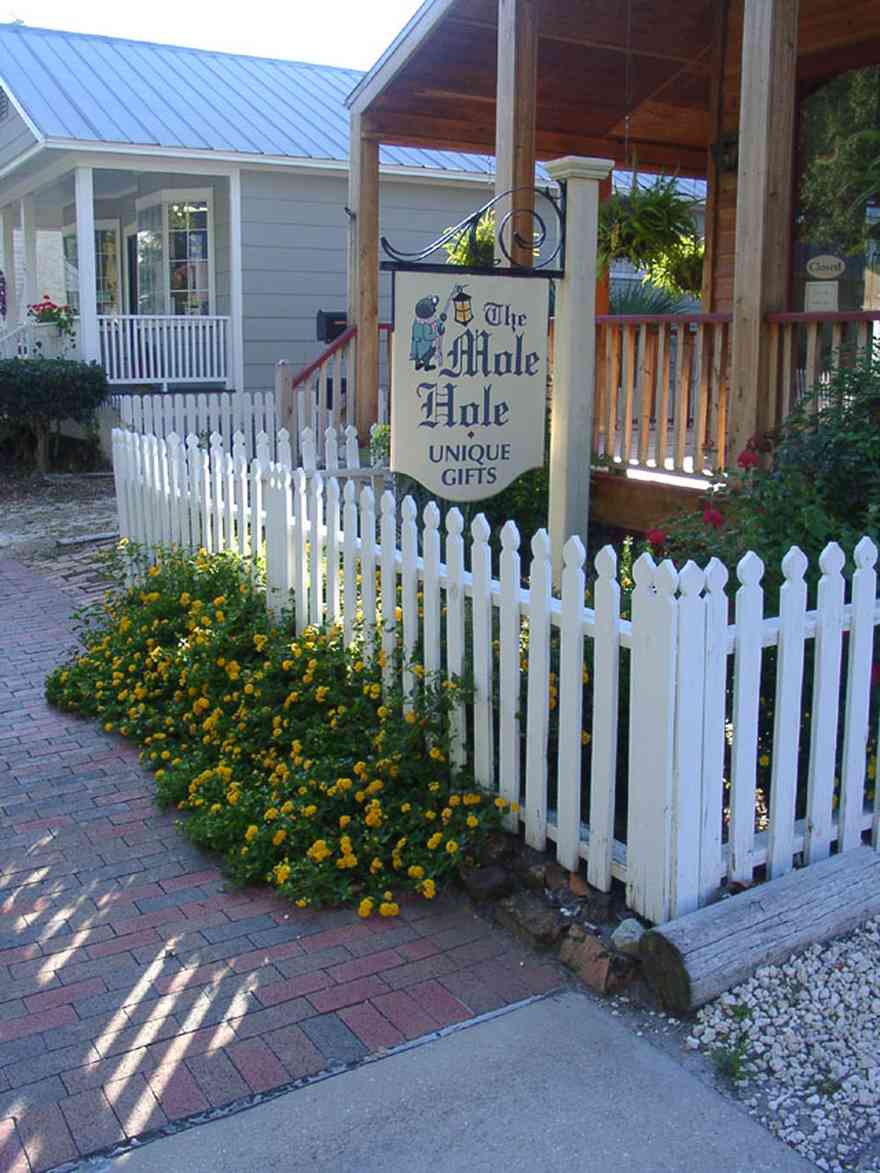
x: 713, y: 517
x: 656, y: 537
x: 748, y: 458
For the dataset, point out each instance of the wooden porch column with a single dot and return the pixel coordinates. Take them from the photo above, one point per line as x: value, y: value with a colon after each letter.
x: 10, y: 222
x: 515, y: 120
x: 363, y: 272
x: 763, y: 206
x: 86, y: 264
x: 29, y: 292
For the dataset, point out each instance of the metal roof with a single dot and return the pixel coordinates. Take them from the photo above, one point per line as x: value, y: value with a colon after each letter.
x: 89, y: 88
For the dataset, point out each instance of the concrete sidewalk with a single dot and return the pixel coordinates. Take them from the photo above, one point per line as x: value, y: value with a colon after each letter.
x: 554, y: 1084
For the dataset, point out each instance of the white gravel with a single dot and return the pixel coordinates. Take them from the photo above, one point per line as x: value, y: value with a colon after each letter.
x: 801, y: 1042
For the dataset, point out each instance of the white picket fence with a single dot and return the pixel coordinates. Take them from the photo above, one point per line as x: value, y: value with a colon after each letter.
x: 690, y: 745
x: 201, y: 414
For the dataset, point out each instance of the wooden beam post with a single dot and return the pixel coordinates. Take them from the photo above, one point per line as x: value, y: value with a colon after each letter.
x: 516, y: 107
x: 763, y: 205
x: 363, y: 272
x: 574, y: 355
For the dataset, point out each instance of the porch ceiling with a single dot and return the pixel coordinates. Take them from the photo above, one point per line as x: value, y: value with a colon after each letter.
x: 597, y: 60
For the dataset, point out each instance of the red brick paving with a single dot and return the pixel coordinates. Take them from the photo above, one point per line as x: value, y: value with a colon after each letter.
x: 134, y: 990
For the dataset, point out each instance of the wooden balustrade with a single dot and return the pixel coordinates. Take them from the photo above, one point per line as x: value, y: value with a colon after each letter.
x: 806, y: 348
x: 661, y: 391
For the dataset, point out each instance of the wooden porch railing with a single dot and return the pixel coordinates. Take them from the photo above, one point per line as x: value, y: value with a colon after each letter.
x: 322, y: 394
x: 806, y: 348
x: 662, y: 391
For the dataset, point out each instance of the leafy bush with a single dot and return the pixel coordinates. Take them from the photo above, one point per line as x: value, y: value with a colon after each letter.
x: 643, y: 298
x: 291, y: 760
x: 36, y: 393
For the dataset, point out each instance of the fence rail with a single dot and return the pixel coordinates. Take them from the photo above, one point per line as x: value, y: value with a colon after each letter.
x: 162, y: 348
x: 657, y: 765
x: 806, y: 348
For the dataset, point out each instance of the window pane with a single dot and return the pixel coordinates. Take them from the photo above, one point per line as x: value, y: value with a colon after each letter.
x: 199, y: 215
x: 177, y: 244
x: 198, y: 245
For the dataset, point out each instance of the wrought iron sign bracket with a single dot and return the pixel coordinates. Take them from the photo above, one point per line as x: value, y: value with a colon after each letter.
x: 508, y: 238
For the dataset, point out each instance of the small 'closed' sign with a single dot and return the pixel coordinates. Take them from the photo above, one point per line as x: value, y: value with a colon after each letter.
x: 826, y: 267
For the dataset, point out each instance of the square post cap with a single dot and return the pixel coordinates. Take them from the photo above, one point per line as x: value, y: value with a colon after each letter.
x: 578, y: 167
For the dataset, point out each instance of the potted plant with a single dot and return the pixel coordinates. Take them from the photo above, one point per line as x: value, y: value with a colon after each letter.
x: 53, y: 328
x: 645, y: 224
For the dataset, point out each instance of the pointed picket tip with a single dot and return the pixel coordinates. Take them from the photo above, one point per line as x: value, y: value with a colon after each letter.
x: 317, y: 481
x: 644, y: 569
x: 480, y: 528
x: 216, y: 439
x: 510, y: 536
x: 348, y: 493
x: 305, y: 434
x: 367, y: 498
x: 832, y: 559
x: 283, y: 435
x: 387, y: 503
x: 541, y: 544
x: 408, y: 509
x: 332, y: 488
x: 172, y: 438
x: 351, y: 432
x: 606, y: 562
x: 794, y: 564
x: 300, y: 477
x: 192, y: 440
x: 691, y: 579
x: 666, y: 578
x: 865, y: 554
x: 573, y: 553
x: 431, y: 515
x: 717, y: 575
x: 454, y: 521
x: 329, y: 434
x: 750, y: 569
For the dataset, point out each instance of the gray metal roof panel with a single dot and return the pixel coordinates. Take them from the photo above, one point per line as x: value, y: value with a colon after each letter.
x: 112, y: 90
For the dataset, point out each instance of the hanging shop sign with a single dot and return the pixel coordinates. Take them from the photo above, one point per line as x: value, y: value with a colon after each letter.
x: 469, y: 373
x: 826, y: 267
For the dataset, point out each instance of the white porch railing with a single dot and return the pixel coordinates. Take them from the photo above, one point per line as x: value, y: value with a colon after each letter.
x: 156, y: 348
x: 18, y: 342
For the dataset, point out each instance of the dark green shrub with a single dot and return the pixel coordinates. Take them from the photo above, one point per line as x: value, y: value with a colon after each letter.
x: 37, y: 393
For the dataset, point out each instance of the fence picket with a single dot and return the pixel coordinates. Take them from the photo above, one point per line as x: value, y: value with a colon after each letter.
x: 509, y: 670
x: 481, y: 626
x: 388, y: 578
x: 746, y: 698
x: 331, y: 541
x: 300, y: 551
x: 368, y: 566
x: 455, y: 628
x: 409, y: 586
x: 606, y: 685
x: 688, y: 755
x: 431, y: 587
x: 349, y: 554
x: 787, y: 714
x: 538, y: 692
x: 714, y: 732
x: 858, y: 697
x: 818, y: 832
x: 571, y: 698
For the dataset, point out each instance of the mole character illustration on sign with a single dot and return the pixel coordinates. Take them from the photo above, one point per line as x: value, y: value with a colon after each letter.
x: 429, y: 326
x: 427, y: 329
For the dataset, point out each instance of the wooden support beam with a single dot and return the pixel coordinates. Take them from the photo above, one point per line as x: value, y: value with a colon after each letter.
x: 363, y: 271
x: 763, y: 205
x: 515, y: 111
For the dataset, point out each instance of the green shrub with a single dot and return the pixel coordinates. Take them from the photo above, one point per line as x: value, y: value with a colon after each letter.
x: 290, y: 759
x: 36, y: 393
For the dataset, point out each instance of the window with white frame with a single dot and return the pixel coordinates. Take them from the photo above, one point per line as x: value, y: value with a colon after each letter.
x: 107, y: 271
x: 174, y: 253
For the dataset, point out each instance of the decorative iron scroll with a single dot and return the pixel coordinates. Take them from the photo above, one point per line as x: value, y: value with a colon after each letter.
x: 508, y: 237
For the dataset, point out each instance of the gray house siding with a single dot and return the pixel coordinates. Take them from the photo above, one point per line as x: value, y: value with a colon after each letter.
x: 15, y: 136
x: 294, y: 234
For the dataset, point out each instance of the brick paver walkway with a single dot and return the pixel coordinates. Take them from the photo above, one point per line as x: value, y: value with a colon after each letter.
x: 135, y: 990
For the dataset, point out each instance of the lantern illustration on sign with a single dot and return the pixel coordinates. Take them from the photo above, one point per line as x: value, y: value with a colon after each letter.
x: 461, y: 307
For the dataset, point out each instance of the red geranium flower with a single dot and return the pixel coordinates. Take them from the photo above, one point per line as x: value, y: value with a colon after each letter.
x: 748, y: 458
x: 713, y: 517
x: 656, y: 537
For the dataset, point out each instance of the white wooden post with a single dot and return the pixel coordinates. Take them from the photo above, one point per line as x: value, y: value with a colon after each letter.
x: 654, y: 643
x: 29, y: 293
x: 86, y: 264
x: 574, y: 354
x: 10, y: 220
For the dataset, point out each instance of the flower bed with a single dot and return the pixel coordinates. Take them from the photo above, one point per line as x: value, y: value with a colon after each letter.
x: 288, y: 756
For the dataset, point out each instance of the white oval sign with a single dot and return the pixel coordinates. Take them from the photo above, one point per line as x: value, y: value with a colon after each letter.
x: 826, y: 267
